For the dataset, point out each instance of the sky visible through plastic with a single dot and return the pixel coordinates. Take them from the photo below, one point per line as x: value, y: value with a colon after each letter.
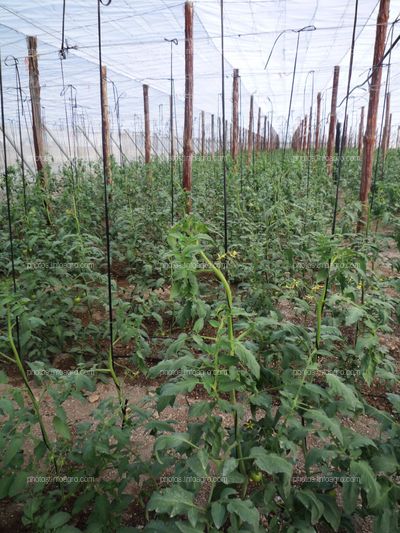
x: 135, y: 52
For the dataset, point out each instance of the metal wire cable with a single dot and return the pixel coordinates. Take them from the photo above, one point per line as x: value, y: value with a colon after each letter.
x: 224, y: 127
x: 8, y: 199
x: 106, y: 209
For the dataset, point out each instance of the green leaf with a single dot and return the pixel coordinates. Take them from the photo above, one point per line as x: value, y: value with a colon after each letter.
x: 3, y: 378
x: 384, y: 463
x: 61, y: 428
x: 6, y: 407
x: 394, y: 399
x: 329, y: 423
x: 58, y: 520
x: 271, y: 462
x: 248, y: 359
x: 353, y: 315
x: 350, y: 496
x: 186, y: 385
x: 311, y: 502
x: 170, y: 441
x: 218, y: 514
x: 319, y: 456
x: 368, y: 480
x: 386, y: 522
x: 172, y: 501
x: 18, y: 484
x: 200, y: 408
x: 339, y: 388
x: 331, y: 511
x: 245, y: 510
x: 14, y: 447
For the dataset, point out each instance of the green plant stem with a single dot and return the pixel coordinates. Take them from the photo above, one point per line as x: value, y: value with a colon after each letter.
x: 121, y: 399
x: 35, y: 403
x: 220, y: 276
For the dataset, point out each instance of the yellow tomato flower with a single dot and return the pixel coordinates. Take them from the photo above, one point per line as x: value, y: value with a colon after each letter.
x: 317, y: 287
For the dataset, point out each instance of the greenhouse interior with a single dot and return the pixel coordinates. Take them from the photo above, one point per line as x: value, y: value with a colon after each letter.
x: 199, y: 266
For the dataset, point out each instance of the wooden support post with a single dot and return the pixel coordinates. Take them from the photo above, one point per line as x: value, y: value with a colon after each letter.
x: 212, y: 136
x: 203, y: 134
x: 250, y: 132
x: 369, y: 138
x: 361, y: 131
x: 332, y: 122
x: 37, y: 127
x: 188, y: 125
x: 147, y: 134
x: 258, y: 138
x: 264, y: 143
x: 235, y: 114
x: 317, y: 123
x: 398, y: 137
x: 105, y: 126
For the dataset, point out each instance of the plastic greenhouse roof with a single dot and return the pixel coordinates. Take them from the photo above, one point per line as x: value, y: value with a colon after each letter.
x: 135, y: 52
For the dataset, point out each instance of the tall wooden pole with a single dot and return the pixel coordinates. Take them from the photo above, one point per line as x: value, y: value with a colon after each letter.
x: 105, y: 125
x: 147, y: 137
x: 258, y: 138
x: 370, y: 131
x: 264, y: 144
x: 235, y: 114
x: 317, y: 123
x: 250, y: 132
x: 203, y: 134
x: 332, y: 122
x: 37, y: 126
x: 361, y: 131
x: 188, y: 125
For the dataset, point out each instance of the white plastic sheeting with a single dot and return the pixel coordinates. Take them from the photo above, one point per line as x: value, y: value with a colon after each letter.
x: 135, y: 52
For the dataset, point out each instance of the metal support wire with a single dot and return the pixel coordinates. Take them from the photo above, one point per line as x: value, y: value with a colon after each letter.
x: 378, y: 155
x: 106, y: 209
x: 20, y: 110
x: 117, y: 98
x: 339, y: 169
x: 311, y: 130
x: 223, y: 127
x: 171, y: 126
x: 8, y: 196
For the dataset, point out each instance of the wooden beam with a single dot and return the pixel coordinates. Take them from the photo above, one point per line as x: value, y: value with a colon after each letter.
x: 147, y: 133
x: 250, y: 132
x: 317, y: 123
x: 370, y: 131
x: 332, y: 122
x: 34, y: 89
x: 235, y: 114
